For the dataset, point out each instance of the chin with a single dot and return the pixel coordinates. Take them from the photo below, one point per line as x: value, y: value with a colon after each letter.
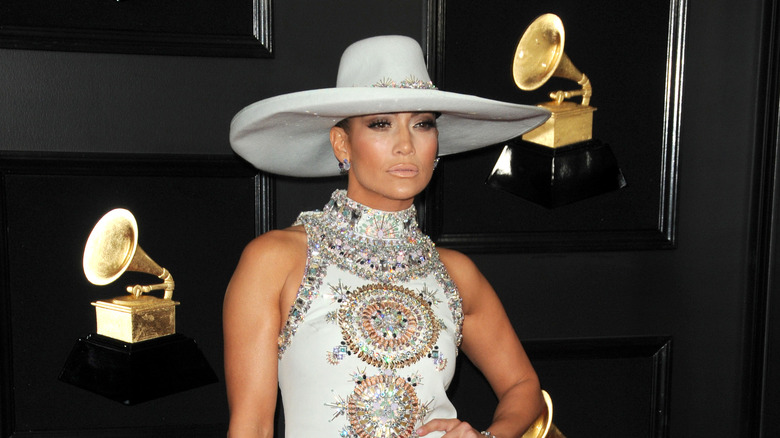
x: 405, y: 193
x: 393, y: 190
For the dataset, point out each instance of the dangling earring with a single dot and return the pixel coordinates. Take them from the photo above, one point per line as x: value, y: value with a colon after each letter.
x: 344, y: 166
x: 435, y: 163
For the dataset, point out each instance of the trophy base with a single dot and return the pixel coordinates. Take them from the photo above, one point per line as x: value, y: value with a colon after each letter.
x: 569, y: 123
x: 553, y: 177
x: 132, y: 319
x: 132, y: 373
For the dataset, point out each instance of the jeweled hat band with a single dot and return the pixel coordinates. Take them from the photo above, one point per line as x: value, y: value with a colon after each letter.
x: 410, y: 82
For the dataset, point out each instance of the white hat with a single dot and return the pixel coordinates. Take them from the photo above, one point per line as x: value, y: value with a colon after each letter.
x: 289, y: 134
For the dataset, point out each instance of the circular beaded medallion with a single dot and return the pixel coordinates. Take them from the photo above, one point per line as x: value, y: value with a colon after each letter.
x: 388, y: 326
x: 383, y: 406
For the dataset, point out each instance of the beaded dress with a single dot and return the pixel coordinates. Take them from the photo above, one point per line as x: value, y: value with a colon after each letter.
x: 369, y: 346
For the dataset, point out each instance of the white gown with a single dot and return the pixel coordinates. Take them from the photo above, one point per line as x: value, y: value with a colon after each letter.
x: 369, y: 346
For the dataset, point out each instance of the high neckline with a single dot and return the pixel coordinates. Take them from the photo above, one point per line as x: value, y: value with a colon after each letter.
x: 368, y: 222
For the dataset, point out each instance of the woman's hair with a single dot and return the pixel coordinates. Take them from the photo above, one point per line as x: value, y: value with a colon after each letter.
x: 343, y: 124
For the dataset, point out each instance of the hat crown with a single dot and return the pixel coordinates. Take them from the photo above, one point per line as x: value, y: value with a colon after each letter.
x: 383, y: 61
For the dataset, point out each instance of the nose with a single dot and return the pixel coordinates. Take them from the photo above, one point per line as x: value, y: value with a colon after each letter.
x: 403, y: 143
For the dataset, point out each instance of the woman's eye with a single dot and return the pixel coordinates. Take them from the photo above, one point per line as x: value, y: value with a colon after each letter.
x: 427, y: 124
x: 379, y: 124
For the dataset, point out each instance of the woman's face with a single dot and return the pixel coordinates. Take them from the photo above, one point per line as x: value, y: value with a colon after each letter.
x: 391, y: 157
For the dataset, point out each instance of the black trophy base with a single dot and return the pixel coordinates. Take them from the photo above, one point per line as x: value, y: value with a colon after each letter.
x: 133, y: 373
x: 553, y: 177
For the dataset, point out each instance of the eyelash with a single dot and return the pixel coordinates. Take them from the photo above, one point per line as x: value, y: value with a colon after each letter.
x: 428, y: 123
x: 382, y: 123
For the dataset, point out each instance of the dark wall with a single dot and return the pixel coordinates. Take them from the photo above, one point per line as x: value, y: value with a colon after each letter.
x: 697, y: 294
x: 88, y: 102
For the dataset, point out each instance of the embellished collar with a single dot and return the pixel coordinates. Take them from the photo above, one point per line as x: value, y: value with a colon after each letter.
x: 362, y: 221
x: 373, y: 244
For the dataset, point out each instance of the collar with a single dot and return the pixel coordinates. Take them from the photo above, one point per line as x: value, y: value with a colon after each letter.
x: 363, y: 221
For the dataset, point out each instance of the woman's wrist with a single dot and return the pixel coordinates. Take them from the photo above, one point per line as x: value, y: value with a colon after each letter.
x: 487, y: 434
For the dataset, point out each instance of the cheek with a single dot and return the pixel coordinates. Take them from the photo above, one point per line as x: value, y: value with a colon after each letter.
x: 430, y: 147
x: 362, y: 148
x: 369, y: 153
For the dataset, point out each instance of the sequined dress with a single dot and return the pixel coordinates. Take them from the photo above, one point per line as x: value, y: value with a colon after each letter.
x: 369, y: 346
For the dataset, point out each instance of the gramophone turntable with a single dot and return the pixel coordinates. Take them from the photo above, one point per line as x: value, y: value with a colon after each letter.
x: 112, y: 248
x: 559, y: 162
x: 136, y: 354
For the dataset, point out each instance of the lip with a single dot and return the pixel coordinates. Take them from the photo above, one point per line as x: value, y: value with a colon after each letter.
x: 404, y: 170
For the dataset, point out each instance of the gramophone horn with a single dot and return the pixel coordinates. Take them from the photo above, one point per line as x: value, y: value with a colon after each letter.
x: 112, y: 248
x: 540, y: 56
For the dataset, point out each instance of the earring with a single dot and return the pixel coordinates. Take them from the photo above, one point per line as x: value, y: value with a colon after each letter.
x: 435, y: 163
x: 344, y: 166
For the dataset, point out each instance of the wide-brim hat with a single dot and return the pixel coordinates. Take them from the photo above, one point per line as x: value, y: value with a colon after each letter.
x: 289, y: 134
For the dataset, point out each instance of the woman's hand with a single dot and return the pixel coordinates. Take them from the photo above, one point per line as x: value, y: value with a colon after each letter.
x: 452, y: 428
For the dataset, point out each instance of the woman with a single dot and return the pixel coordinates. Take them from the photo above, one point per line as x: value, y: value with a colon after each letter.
x: 352, y: 311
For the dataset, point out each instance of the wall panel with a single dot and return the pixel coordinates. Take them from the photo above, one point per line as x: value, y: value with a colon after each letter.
x: 194, y: 215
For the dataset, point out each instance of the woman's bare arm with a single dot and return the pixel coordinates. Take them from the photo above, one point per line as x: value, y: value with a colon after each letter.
x: 255, y: 306
x: 490, y: 342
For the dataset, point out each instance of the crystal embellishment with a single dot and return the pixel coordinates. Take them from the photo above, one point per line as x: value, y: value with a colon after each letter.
x: 384, y: 405
x: 410, y: 82
x: 388, y: 326
x: 377, y: 246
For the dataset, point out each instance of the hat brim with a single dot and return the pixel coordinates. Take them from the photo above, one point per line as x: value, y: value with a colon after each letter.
x: 289, y: 134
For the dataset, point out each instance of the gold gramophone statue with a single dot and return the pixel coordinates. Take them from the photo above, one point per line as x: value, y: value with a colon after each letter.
x: 136, y: 354
x: 112, y: 248
x: 559, y: 162
x: 540, y: 56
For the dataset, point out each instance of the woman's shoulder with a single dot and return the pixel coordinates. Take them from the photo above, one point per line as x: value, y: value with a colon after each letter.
x: 455, y: 261
x: 283, y: 242
x: 462, y: 270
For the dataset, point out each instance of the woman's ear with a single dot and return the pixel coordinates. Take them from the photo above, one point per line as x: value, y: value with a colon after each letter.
x: 338, y: 140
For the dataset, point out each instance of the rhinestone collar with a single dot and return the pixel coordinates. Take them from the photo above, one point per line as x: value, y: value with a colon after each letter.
x: 362, y: 221
x: 373, y: 244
